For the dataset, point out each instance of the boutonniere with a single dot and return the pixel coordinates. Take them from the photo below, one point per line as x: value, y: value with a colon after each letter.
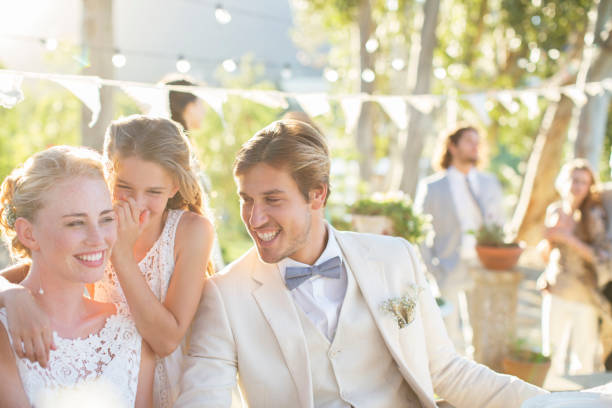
x: 403, y: 308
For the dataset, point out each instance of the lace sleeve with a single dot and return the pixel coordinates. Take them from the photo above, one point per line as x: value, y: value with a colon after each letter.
x: 602, y: 247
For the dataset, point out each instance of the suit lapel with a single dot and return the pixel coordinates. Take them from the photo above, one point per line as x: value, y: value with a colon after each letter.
x: 369, y: 274
x: 278, y: 307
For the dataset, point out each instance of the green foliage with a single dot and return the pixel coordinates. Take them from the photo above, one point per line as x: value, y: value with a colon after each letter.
x: 407, y: 223
x: 520, y: 350
x: 492, y: 235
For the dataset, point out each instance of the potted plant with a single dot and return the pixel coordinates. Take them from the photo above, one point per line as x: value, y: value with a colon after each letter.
x: 390, y: 214
x: 494, y: 251
x: 526, y: 363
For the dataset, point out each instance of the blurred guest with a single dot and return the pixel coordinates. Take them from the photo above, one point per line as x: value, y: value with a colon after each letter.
x: 576, y: 248
x: 476, y: 198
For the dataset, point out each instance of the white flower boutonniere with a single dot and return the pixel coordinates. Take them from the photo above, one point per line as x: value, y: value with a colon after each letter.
x: 403, y: 307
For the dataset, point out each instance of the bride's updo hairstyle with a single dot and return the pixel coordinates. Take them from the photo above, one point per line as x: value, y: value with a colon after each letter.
x: 22, y: 192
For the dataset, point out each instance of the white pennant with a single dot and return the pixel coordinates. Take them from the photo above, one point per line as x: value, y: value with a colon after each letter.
x: 214, y: 98
x: 314, y: 104
x: 607, y: 84
x: 423, y: 103
x: 594, y: 88
x: 351, y: 106
x: 152, y: 100
x: 87, y: 89
x: 505, y: 98
x: 478, y: 102
x: 576, y: 95
x: 267, y: 98
x: 530, y: 100
x: 10, y: 90
x: 395, y: 106
x: 552, y: 95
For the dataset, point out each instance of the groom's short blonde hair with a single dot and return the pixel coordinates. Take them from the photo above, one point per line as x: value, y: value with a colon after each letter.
x: 292, y: 145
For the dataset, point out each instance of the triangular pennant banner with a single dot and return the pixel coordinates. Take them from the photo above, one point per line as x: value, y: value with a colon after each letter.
x: 552, y: 95
x: 10, y: 90
x: 153, y: 101
x: 478, y: 102
x: 395, y: 106
x: 506, y: 99
x: 313, y: 104
x: 576, y: 95
x: 423, y: 103
x: 87, y: 89
x: 530, y: 100
x: 214, y: 98
x: 351, y: 106
x: 594, y: 88
x: 607, y: 84
x: 267, y: 98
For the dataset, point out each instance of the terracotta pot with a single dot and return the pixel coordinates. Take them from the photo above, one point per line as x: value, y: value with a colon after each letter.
x: 533, y: 373
x: 499, y: 258
x: 373, y: 224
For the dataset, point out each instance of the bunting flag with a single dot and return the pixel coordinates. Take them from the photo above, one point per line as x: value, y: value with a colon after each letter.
x: 87, y: 89
x: 478, y: 102
x: 215, y: 98
x: 530, y: 100
x: 10, y: 89
x: 153, y: 98
x: 395, y: 107
x: 424, y: 103
x: 351, y: 106
x: 271, y: 99
x: 576, y: 95
x: 314, y: 104
x: 152, y: 101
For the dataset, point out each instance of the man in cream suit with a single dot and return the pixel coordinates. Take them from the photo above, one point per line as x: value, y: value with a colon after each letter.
x: 460, y: 199
x: 298, y: 335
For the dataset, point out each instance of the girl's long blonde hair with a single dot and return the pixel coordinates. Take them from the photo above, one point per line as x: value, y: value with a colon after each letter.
x: 161, y: 141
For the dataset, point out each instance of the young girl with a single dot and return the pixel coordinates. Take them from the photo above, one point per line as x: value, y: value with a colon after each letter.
x: 161, y: 257
x: 97, y: 359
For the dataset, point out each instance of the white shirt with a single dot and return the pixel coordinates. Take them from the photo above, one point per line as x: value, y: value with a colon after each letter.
x: 466, y: 207
x: 320, y: 298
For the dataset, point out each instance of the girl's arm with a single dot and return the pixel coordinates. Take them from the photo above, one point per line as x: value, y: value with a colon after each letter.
x: 28, y: 324
x: 193, y: 244
x: 11, y: 388
x: 144, y: 393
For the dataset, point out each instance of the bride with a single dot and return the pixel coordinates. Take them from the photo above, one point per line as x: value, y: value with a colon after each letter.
x: 57, y: 212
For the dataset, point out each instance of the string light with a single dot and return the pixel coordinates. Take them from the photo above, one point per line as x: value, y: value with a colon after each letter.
x: 330, y: 74
x: 51, y: 44
x: 222, y: 15
x: 229, y: 65
x: 367, y: 75
x: 398, y: 64
x: 182, y: 65
x: 286, y: 71
x: 371, y: 45
x: 119, y: 59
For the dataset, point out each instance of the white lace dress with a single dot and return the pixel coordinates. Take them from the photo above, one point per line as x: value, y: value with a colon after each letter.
x: 157, y: 267
x: 100, y: 370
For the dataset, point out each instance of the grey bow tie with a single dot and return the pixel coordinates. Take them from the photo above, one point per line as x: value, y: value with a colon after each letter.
x: 296, y: 275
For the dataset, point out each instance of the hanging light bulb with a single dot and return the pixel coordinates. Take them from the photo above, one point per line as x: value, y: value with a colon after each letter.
x: 330, y: 74
x: 222, y: 15
x: 286, y: 71
x: 119, y: 59
x: 367, y: 75
x: 398, y: 64
x: 51, y: 44
x: 371, y: 45
x: 182, y: 65
x: 229, y: 65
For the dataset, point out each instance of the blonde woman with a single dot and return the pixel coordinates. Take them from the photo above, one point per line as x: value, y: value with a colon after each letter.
x: 99, y: 357
x: 164, y: 240
x: 577, y: 251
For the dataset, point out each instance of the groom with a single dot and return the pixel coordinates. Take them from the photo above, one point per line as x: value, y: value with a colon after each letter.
x: 302, y: 336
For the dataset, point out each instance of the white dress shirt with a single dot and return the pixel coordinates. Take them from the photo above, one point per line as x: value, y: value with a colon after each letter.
x: 320, y: 298
x: 466, y: 207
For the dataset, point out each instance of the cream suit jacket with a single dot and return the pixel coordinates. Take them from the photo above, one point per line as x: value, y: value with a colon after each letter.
x: 247, y: 325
